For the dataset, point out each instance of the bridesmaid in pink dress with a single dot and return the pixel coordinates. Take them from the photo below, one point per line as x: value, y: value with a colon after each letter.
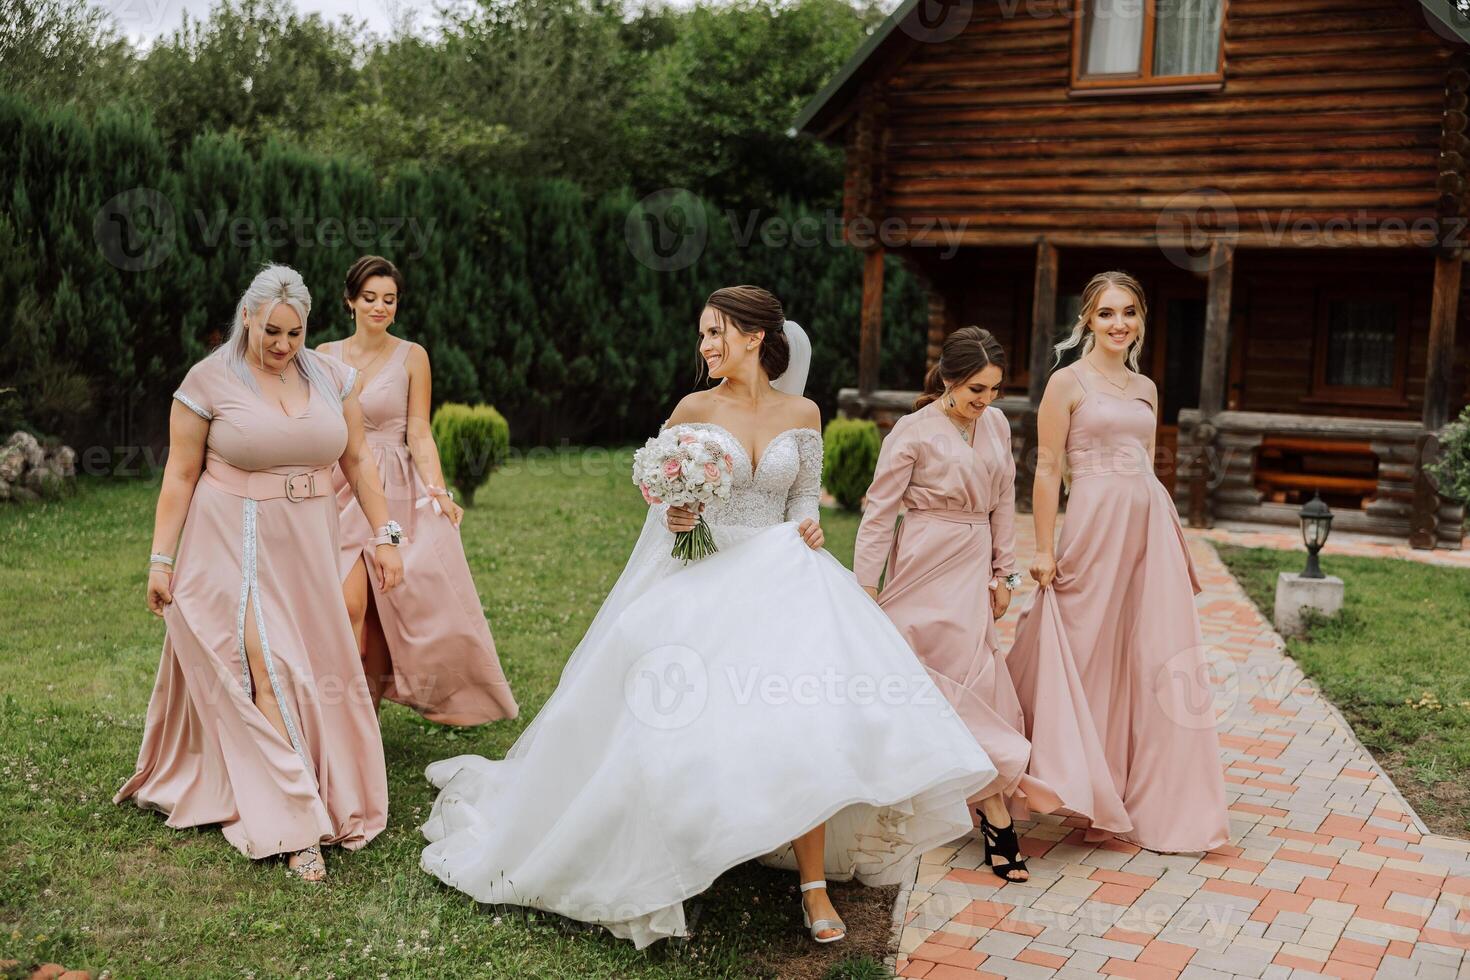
x: 425, y: 645
x: 259, y: 719
x: 950, y: 564
x: 1108, y: 659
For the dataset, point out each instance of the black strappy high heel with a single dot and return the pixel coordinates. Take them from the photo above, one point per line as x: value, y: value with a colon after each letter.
x: 1002, y: 841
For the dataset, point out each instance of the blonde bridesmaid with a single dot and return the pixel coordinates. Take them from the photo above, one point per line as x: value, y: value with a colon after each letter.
x: 426, y: 645
x: 1108, y: 659
x: 260, y: 720
x: 948, y: 571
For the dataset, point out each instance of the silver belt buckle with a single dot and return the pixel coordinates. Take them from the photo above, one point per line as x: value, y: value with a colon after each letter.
x: 310, y: 486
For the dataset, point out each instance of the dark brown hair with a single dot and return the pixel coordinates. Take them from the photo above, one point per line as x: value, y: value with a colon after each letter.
x: 364, y: 269
x: 752, y: 309
x: 967, y: 350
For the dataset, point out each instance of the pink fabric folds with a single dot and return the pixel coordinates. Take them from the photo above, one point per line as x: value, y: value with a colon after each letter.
x: 208, y: 754
x: 1109, y: 662
x: 956, y: 532
x: 444, y: 661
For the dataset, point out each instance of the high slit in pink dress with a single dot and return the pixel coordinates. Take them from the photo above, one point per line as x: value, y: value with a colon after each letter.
x: 209, y: 756
x: 1108, y: 661
x: 444, y: 663
x: 958, y: 530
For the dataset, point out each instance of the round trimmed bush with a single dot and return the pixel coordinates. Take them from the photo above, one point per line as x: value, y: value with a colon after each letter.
x: 849, y: 457
x: 473, y: 441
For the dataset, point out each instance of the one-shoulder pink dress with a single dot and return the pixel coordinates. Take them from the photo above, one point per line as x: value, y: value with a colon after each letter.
x: 444, y: 663
x: 209, y: 756
x: 1108, y: 661
x: 957, y: 532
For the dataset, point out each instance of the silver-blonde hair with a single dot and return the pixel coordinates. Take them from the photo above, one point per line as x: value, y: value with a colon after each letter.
x: 1091, y: 296
x: 272, y: 286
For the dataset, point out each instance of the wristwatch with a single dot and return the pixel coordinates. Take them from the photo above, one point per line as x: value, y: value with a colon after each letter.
x: 389, y: 533
x: 1013, y: 581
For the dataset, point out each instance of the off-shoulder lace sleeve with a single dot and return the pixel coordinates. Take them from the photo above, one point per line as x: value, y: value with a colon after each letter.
x: 806, y: 491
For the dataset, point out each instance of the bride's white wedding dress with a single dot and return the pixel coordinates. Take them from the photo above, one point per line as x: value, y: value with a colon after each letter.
x: 711, y: 714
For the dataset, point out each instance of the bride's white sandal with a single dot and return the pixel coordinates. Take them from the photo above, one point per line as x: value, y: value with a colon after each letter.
x: 821, y: 925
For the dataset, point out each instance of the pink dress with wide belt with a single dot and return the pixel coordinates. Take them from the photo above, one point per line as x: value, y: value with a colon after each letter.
x: 444, y: 661
x: 957, y: 531
x: 266, y: 563
x: 1108, y: 661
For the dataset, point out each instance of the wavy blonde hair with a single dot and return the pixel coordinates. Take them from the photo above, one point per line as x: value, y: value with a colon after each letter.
x: 1091, y: 296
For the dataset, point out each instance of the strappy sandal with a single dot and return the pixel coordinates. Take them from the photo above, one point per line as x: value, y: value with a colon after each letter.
x: 1002, y: 842
x: 313, y: 865
x: 821, y: 925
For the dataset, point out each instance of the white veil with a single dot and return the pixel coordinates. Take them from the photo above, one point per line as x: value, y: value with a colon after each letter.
x: 793, y: 381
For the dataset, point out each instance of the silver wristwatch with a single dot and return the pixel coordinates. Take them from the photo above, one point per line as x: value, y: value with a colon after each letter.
x: 389, y: 533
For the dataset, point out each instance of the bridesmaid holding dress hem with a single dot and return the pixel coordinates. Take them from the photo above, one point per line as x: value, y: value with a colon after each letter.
x: 426, y: 646
x: 1108, y: 659
x: 259, y: 719
x: 950, y: 564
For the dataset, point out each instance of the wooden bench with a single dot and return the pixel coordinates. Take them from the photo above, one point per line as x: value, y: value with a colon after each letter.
x: 1344, y: 471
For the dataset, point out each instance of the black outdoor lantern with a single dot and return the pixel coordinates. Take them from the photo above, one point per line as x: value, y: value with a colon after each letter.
x: 1316, y: 520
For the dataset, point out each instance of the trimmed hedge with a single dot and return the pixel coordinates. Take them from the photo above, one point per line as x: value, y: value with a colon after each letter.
x: 473, y: 442
x: 574, y: 314
x: 849, y: 458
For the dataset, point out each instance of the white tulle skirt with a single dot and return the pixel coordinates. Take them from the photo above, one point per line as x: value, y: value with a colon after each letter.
x: 712, y: 714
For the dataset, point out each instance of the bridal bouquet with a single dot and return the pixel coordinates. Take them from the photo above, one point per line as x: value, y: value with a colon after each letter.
x: 685, y: 466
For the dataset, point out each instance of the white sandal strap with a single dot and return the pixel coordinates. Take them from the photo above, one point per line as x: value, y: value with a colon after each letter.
x: 808, y: 886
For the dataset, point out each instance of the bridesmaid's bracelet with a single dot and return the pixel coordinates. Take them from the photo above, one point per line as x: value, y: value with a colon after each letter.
x: 158, y: 558
x: 436, y: 491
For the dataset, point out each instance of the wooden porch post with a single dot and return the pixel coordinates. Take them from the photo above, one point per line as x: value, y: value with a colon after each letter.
x: 1043, y: 325
x: 1443, y: 311
x: 870, y: 340
x: 1214, y: 364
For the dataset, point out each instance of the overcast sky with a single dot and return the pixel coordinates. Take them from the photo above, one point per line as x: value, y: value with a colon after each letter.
x: 144, y: 20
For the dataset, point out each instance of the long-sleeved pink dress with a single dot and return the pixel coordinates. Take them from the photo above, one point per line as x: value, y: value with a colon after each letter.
x: 444, y: 662
x: 957, y: 531
x: 1108, y: 660
x: 251, y: 558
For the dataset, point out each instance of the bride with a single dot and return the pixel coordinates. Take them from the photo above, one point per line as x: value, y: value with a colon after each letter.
x: 753, y: 704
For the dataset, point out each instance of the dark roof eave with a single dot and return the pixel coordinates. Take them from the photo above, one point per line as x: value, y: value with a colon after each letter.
x: 813, y: 115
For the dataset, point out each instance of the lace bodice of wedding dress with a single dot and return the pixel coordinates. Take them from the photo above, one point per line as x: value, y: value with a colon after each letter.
x: 783, y: 485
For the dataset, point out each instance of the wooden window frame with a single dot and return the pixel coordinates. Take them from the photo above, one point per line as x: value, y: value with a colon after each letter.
x: 1393, y: 396
x: 1142, y: 82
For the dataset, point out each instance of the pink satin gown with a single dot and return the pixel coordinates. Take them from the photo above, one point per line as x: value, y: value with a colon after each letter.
x: 268, y: 563
x: 957, y: 531
x: 1108, y: 661
x: 443, y: 657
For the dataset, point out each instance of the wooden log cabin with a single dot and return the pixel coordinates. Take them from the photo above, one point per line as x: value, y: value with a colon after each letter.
x: 1287, y: 179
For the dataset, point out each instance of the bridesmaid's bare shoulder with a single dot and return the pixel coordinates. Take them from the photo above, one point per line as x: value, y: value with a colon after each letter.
x: 1147, y: 389
x: 1064, y: 386
x: 417, y: 359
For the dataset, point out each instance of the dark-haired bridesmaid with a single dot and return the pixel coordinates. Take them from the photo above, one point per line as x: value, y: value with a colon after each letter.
x: 947, y: 571
x: 428, y: 647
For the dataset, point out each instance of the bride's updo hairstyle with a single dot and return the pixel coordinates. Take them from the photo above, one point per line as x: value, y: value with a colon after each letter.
x: 752, y: 309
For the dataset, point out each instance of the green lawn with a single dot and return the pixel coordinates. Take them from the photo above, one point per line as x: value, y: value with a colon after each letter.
x: 1396, y: 662
x: 100, y: 887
